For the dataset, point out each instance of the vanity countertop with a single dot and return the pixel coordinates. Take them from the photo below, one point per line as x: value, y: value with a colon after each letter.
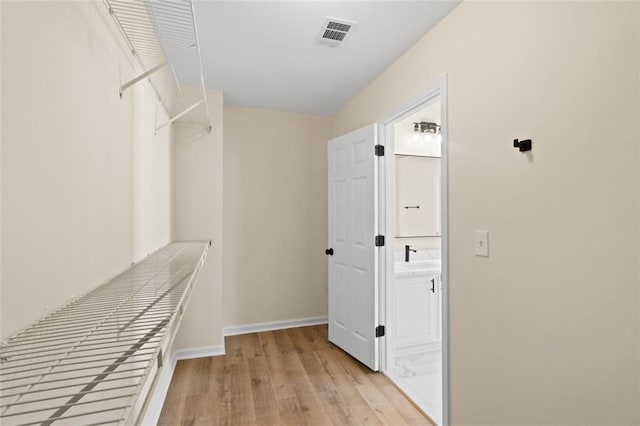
x: 418, y: 266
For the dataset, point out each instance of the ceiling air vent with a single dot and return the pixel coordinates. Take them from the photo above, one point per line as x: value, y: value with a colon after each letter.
x: 334, y: 31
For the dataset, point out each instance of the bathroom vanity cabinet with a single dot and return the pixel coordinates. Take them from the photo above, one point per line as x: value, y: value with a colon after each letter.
x: 418, y: 306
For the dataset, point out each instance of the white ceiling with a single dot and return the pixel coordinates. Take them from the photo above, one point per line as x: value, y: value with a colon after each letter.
x: 265, y: 54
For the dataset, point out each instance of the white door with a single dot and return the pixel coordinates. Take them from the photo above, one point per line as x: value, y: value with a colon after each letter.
x: 353, y: 273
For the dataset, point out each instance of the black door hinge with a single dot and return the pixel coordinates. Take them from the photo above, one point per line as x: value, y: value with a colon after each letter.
x: 379, y: 240
x: 380, y: 331
x: 379, y: 150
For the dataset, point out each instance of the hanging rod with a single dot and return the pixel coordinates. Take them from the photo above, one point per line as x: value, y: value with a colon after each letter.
x: 104, y: 370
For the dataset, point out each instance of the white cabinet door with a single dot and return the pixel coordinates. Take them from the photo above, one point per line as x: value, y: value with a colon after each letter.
x: 353, y: 310
x: 418, y: 307
x: 411, y: 315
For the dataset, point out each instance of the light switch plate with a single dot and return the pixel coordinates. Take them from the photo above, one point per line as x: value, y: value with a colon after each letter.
x: 482, y: 243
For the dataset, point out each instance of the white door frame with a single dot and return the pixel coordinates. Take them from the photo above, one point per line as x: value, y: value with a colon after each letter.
x: 437, y: 91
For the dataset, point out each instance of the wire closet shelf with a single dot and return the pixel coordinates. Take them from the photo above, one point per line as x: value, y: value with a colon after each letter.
x: 95, y: 360
x: 163, y: 38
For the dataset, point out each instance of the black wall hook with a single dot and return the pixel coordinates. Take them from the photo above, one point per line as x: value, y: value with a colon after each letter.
x: 523, y: 146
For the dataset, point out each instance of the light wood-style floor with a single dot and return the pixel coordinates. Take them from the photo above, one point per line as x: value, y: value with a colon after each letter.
x: 285, y: 377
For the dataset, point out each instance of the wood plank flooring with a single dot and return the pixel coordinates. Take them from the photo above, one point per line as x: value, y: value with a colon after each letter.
x: 285, y: 377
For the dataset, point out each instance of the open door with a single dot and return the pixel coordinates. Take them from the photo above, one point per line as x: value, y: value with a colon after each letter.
x: 352, y: 252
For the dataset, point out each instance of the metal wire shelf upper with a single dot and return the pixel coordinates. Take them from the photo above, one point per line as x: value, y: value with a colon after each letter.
x: 162, y: 36
x: 94, y: 360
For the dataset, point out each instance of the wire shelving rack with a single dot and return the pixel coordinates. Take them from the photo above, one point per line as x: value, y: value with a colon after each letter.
x: 163, y: 38
x: 95, y: 360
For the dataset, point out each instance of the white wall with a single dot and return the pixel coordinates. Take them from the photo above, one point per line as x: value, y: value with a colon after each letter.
x: 79, y: 196
x: 545, y: 330
x: 197, y: 190
x: 275, y: 216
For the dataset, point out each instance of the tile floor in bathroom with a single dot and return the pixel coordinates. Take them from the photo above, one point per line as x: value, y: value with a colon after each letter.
x: 419, y: 375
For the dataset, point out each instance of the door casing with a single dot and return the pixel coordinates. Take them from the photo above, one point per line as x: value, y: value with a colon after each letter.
x: 436, y: 91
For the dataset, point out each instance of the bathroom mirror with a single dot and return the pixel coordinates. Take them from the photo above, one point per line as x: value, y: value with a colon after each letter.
x: 417, y: 196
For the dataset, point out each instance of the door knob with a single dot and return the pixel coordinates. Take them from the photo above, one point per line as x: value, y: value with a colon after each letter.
x: 329, y: 252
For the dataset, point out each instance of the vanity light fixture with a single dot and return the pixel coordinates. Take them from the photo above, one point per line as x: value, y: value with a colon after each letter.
x: 427, y: 131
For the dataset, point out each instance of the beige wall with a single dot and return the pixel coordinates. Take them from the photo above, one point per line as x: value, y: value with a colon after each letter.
x: 275, y: 216
x: 546, y: 329
x: 1, y: 327
x: 197, y: 173
x: 75, y: 158
x: 152, y: 174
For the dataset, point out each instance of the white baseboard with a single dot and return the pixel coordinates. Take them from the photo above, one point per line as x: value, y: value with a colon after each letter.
x: 199, y: 352
x: 152, y: 414
x: 272, y: 325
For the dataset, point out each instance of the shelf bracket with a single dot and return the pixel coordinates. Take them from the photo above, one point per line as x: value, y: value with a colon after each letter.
x: 162, y: 37
x: 141, y: 77
x: 197, y: 136
x: 186, y: 111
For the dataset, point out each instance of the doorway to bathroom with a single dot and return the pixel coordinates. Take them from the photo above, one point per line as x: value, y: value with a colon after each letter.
x: 413, y: 291
x: 387, y: 248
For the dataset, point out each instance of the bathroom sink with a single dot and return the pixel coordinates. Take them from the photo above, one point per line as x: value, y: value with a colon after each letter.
x: 431, y: 265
